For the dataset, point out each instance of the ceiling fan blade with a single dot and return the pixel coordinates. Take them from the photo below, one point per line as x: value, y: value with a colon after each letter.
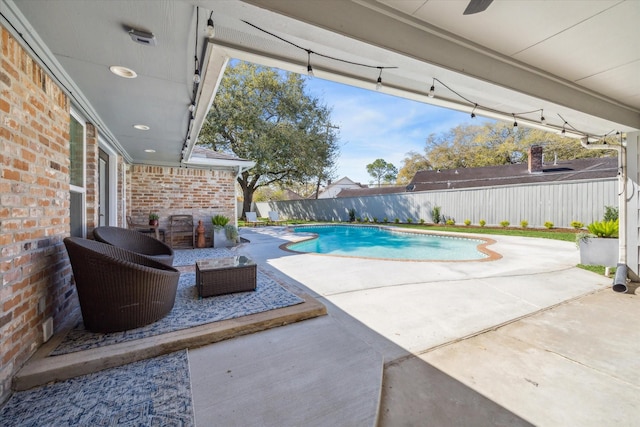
x: 476, y: 6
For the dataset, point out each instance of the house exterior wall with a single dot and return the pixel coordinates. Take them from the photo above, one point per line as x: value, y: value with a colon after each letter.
x: 559, y: 203
x: 34, y: 209
x: 174, y: 191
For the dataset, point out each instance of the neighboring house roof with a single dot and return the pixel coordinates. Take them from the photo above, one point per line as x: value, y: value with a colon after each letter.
x: 567, y: 170
x: 337, y: 187
x: 372, y: 191
x: 201, y: 156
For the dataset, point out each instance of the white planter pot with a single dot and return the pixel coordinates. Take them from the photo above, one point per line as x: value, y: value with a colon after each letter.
x: 598, y: 251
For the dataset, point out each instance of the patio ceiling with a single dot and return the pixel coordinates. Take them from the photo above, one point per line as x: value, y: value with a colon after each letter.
x: 575, y: 59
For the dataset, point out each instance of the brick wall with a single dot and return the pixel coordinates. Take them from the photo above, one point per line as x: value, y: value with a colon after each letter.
x: 91, y: 178
x: 34, y: 207
x: 170, y: 191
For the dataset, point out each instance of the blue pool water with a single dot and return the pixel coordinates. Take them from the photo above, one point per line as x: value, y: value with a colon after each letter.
x: 376, y: 242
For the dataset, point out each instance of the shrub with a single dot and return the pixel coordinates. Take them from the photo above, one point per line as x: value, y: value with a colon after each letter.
x: 577, y: 225
x: 467, y: 222
x: 385, y: 220
x: 231, y: 232
x: 482, y: 223
x: 219, y: 221
x: 397, y: 220
x: 524, y: 223
x: 607, y: 229
x: 409, y: 220
x: 375, y: 219
x: 352, y: 215
x: 549, y: 225
x: 610, y: 214
x: 451, y: 221
x: 359, y: 219
x: 504, y: 223
x: 435, y: 214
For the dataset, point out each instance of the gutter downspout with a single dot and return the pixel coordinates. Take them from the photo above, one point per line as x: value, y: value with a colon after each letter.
x: 620, y: 278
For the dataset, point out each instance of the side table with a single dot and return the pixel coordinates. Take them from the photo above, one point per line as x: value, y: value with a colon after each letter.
x: 217, y: 276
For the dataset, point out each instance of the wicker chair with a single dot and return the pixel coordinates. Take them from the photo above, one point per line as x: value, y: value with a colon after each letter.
x: 136, y: 242
x: 119, y: 289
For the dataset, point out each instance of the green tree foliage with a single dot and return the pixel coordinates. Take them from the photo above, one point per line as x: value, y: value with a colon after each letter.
x: 493, y: 144
x: 381, y: 171
x: 411, y: 164
x: 263, y: 114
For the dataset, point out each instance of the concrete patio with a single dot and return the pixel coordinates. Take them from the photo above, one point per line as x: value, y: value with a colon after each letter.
x: 525, y: 340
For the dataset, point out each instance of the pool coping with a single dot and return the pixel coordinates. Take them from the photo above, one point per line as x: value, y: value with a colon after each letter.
x: 482, y: 247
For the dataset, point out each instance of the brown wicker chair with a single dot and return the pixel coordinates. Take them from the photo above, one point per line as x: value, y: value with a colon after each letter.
x: 119, y: 289
x: 136, y: 242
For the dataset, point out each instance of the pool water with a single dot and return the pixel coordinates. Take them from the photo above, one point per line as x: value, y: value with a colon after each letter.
x: 377, y: 242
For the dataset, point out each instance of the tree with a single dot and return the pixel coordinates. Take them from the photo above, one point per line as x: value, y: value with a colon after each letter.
x: 262, y: 114
x: 493, y: 144
x: 411, y: 164
x: 382, y: 171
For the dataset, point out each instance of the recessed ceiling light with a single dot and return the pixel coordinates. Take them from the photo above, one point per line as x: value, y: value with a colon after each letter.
x: 141, y: 127
x: 149, y: 150
x: 125, y: 72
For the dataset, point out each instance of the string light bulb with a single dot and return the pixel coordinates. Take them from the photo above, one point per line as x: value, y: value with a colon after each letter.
x: 309, y: 67
x: 473, y: 114
x: 192, y: 107
x: 196, y: 76
x: 515, y: 122
x: 210, y: 30
x: 564, y: 128
x: 542, y: 119
x: 432, y: 91
x: 379, y: 81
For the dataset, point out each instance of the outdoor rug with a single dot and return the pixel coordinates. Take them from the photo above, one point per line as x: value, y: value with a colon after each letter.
x: 151, y: 392
x: 184, y: 257
x: 189, y: 311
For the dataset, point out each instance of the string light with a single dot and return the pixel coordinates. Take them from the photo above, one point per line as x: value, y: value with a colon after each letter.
x: 210, y: 30
x: 309, y: 68
x: 309, y: 52
x: 431, y: 93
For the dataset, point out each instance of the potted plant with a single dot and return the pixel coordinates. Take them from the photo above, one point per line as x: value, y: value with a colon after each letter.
x: 153, y: 219
x: 219, y: 235
x: 231, y: 231
x: 599, y: 246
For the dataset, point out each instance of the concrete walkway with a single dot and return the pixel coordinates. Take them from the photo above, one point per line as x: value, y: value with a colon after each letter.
x: 525, y: 339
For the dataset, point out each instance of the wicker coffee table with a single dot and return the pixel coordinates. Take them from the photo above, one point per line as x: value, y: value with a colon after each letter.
x: 219, y: 276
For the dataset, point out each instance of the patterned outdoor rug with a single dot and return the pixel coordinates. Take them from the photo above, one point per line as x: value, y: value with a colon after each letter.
x: 151, y: 392
x: 189, y: 311
x: 190, y: 256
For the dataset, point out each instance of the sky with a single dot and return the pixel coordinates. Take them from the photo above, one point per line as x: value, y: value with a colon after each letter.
x: 374, y: 125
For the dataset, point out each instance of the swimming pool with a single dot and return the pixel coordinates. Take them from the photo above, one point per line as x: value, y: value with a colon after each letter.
x: 387, y: 243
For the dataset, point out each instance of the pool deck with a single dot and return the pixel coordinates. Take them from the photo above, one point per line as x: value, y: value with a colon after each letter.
x: 465, y: 343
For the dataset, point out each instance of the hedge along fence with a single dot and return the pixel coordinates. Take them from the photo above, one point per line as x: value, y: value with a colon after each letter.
x: 559, y: 203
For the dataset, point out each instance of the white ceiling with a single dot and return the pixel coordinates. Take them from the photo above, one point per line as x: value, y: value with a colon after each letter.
x: 577, y: 59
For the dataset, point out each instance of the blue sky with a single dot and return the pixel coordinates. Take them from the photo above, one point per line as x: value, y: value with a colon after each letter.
x: 374, y: 125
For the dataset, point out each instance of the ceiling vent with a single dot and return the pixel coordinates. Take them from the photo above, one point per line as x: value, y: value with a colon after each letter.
x: 142, y: 37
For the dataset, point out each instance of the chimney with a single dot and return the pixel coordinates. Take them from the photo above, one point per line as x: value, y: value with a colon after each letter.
x: 535, y: 159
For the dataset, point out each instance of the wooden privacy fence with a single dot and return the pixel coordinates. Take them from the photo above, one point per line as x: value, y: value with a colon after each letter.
x: 559, y: 203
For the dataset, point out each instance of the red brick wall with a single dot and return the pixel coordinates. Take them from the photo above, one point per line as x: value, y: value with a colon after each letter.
x: 170, y: 191
x: 91, y: 178
x: 34, y: 207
